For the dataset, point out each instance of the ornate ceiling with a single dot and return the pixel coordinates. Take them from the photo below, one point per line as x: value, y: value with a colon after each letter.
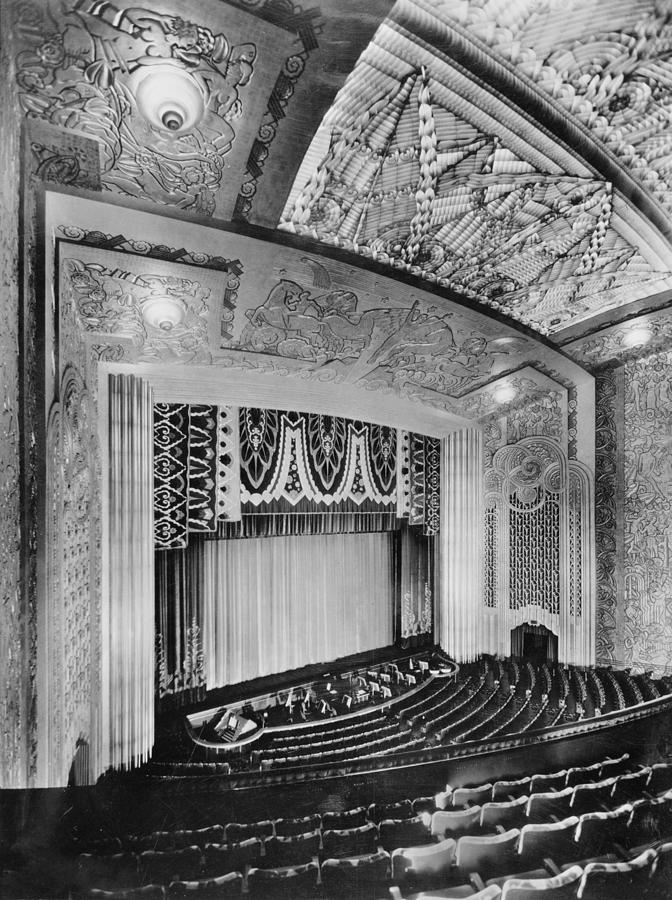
x: 512, y: 156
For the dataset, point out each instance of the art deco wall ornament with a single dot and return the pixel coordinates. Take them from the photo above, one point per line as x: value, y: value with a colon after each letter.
x: 163, y: 312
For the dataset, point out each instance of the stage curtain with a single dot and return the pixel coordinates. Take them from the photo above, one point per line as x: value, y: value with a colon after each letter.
x: 273, y: 604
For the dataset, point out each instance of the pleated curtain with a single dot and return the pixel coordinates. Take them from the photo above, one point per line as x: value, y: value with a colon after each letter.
x: 273, y: 604
x: 461, y: 542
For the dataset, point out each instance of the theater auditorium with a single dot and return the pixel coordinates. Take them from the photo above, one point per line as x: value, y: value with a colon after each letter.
x: 336, y: 450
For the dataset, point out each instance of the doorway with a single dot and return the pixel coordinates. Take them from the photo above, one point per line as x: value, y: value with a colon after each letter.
x: 534, y: 642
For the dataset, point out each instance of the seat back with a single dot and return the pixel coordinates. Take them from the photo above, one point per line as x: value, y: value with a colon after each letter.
x: 404, y: 832
x: 236, y: 832
x: 489, y: 856
x: 650, y: 820
x: 606, y: 881
x: 433, y: 859
x: 540, y: 807
x: 590, y: 797
x: 162, y: 867
x: 146, y: 892
x: 610, y: 768
x: 503, y: 790
x: 401, y: 810
x: 289, y: 827
x: 630, y: 787
x: 597, y: 832
x: 294, y: 850
x: 349, y: 818
x: 353, y: 876
x: 661, y: 874
x: 553, y: 839
x: 583, y: 774
x: 284, y: 882
x: 445, y: 823
x: 472, y: 796
x: 660, y: 779
x: 508, y: 814
x: 350, y: 841
x: 423, y: 805
x: 559, y: 887
x: 556, y: 781
x: 225, y: 888
x: 220, y: 859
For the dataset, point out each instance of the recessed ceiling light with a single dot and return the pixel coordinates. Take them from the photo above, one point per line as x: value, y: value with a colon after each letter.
x: 168, y: 97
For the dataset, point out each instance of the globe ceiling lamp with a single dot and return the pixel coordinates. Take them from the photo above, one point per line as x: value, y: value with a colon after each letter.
x: 168, y: 97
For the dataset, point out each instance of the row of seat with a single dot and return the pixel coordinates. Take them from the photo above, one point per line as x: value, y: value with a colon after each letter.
x: 645, y: 875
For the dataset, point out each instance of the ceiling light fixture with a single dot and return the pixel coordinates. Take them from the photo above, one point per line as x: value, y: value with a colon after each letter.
x: 638, y: 336
x: 504, y: 393
x: 163, y: 312
x: 168, y: 97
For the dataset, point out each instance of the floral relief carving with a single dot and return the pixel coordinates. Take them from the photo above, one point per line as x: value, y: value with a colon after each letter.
x: 606, y: 394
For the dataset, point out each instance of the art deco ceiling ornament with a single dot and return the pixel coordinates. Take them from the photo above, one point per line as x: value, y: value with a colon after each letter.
x: 169, y: 97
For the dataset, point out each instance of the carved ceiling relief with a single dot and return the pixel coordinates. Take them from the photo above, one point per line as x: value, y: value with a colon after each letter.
x: 408, y: 181
x: 94, y: 68
x: 625, y: 342
x: 140, y: 311
x: 616, y: 80
x: 647, y: 638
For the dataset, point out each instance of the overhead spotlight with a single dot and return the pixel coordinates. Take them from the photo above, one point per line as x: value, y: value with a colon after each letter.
x: 505, y: 393
x: 163, y: 312
x: 637, y: 336
x: 168, y: 97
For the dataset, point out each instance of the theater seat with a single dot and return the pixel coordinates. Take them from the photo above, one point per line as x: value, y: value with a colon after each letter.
x: 491, y: 892
x: 540, y: 807
x: 592, y: 797
x: 553, y: 782
x: 650, y: 820
x: 356, y: 876
x: 630, y: 787
x: 472, y: 796
x: 453, y: 822
x: 660, y: 779
x: 552, y: 839
x: 379, y: 811
x: 403, y: 833
x: 117, y: 870
x: 236, y: 832
x: 421, y: 863
x: 489, y: 856
x: 147, y: 892
x: 289, y: 827
x: 611, y: 768
x: 559, y: 887
x: 423, y: 805
x: 503, y: 790
x: 661, y: 874
x: 350, y: 841
x: 608, y: 881
x: 295, y: 850
x: 507, y: 814
x: 220, y: 859
x: 224, y: 888
x: 157, y: 867
x: 349, y: 818
x: 597, y: 832
x: 583, y: 775
x: 283, y: 883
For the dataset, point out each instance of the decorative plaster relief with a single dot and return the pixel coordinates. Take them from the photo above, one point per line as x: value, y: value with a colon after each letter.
x: 409, y: 178
x: 614, y: 344
x: 83, y: 69
x: 149, y: 311
x: 647, y: 626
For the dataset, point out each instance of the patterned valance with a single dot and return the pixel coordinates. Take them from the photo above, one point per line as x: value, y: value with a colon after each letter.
x: 216, y: 464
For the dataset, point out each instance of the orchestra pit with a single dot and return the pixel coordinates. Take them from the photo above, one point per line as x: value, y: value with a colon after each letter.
x: 335, y: 446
